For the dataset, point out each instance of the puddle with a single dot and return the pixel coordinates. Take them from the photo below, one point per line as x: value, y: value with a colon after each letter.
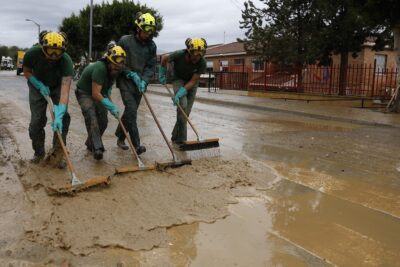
x: 239, y: 240
x: 244, y: 238
x: 344, y: 233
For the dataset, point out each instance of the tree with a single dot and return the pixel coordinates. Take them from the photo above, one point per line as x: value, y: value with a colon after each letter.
x: 3, y: 51
x: 75, y: 36
x: 116, y: 19
x: 304, y: 32
x: 284, y: 31
x: 345, y: 27
x: 281, y: 32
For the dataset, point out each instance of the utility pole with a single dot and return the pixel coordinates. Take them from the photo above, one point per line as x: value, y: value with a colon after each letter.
x: 90, y: 31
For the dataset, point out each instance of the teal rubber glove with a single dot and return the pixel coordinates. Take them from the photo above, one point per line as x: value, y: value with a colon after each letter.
x: 134, y: 77
x: 163, y: 75
x: 142, y: 86
x: 59, y: 111
x: 43, y: 89
x: 181, y: 93
x: 109, y: 92
x: 111, y: 107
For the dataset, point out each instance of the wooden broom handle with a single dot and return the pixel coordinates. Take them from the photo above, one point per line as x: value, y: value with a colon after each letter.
x: 64, y: 149
x: 128, y: 138
x: 183, y: 112
x: 158, y: 125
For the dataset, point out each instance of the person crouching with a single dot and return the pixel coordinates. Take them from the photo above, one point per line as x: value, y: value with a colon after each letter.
x: 94, y: 96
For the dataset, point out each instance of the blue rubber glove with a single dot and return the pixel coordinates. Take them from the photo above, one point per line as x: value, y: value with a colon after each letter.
x: 163, y: 75
x: 134, y: 77
x: 142, y: 86
x: 181, y: 93
x: 111, y: 107
x: 43, y: 89
x: 59, y: 111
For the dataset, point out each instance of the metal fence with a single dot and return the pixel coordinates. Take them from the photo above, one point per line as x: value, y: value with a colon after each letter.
x: 362, y: 80
x: 231, y: 80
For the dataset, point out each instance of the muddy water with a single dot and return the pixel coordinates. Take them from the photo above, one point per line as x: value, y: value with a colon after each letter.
x: 286, y: 191
x: 245, y: 238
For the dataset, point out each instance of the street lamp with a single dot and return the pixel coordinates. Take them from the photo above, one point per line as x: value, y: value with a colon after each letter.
x: 92, y: 37
x: 90, y: 31
x: 38, y: 25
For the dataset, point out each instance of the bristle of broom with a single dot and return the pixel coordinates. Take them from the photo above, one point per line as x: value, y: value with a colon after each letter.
x: 198, y: 145
x: 208, y: 148
x: 161, y: 166
x: 204, y: 153
x: 71, y: 190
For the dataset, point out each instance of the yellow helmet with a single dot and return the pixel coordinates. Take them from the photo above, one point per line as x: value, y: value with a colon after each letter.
x: 196, y: 46
x: 53, y: 45
x: 146, y: 22
x: 116, y: 55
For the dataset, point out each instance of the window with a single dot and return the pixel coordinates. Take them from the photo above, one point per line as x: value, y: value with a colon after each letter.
x: 223, y: 65
x: 258, y: 65
x: 380, y: 63
x: 210, y: 66
x: 238, y: 61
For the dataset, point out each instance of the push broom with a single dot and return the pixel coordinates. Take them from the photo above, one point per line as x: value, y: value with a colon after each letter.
x: 76, y: 184
x: 175, y: 162
x: 140, y: 166
x: 198, y: 144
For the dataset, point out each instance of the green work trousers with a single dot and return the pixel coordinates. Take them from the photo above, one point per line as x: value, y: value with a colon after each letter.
x: 179, y: 133
x: 131, y: 99
x: 38, y: 106
x: 96, y: 120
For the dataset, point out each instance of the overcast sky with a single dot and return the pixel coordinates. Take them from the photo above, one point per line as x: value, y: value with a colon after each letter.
x: 182, y: 19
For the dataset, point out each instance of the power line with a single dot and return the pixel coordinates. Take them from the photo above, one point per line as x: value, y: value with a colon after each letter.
x: 236, y: 4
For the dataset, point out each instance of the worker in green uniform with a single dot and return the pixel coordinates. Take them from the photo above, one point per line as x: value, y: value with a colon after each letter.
x: 94, y: 96
x: 48, y: 69
x: 140, y: 67
x: 188, y: 64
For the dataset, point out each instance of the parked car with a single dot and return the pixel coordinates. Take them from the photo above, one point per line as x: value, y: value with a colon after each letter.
x: 6, y: 63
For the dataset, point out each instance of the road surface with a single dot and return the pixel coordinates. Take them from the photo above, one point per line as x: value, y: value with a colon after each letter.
x: 285, y: 190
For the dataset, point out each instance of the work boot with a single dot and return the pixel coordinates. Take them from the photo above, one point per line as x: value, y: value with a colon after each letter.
x: 98, y: 154
x: 140, y: 149
x: 121, y: 144
x: 37, y: 157
x: 89, y: 145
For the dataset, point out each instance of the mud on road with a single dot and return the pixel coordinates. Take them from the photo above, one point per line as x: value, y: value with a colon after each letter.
x: 286, y: 190
x: 132, y: 214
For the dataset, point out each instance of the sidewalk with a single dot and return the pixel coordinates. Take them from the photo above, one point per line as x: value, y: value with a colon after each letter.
x: 312, y: 109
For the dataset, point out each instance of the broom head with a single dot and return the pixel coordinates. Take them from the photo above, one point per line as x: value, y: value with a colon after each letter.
x: 173, y: 164
x: 72, y: 189
x: 197, y: 145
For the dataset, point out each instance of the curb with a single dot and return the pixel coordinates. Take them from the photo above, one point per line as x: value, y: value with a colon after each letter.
x: 269, y: 109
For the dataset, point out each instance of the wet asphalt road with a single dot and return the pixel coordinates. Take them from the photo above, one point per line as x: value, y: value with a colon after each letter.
x: 337, y: 202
